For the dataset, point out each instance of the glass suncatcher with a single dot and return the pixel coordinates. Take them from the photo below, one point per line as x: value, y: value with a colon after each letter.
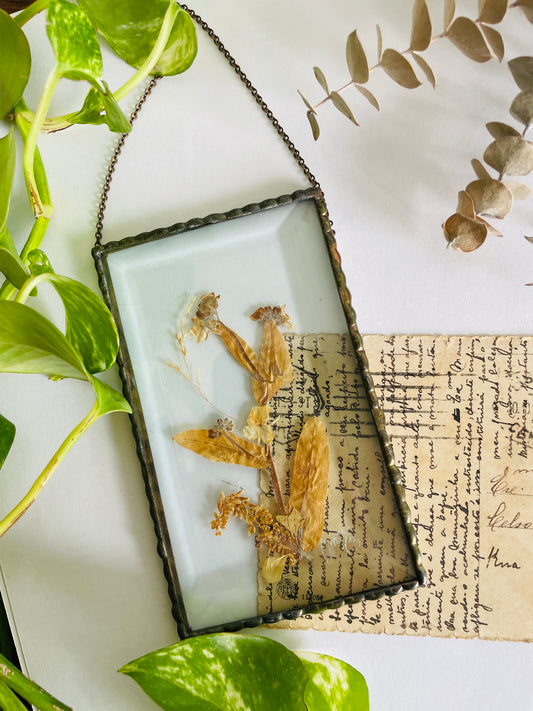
x: 269, y: 473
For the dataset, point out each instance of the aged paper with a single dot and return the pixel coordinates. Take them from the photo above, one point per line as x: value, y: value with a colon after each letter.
x: 459, y: 414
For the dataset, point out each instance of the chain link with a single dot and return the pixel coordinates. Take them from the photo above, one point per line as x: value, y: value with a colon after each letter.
x: 247, y: 83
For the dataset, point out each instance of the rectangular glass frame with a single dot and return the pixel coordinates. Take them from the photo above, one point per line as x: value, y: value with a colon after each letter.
x: 280, y: 251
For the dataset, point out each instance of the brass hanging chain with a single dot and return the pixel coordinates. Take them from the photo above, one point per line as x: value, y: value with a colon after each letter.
x: 247, y: 83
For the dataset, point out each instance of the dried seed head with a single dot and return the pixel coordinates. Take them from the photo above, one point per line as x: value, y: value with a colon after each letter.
x: 272, y: 313
x: 222, y: 425
x: 207, y: 306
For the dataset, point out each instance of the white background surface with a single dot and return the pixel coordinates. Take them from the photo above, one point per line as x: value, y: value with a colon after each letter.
x: 84, y: 580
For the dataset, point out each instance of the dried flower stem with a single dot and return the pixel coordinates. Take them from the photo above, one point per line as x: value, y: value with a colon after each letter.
x: 275, y: 483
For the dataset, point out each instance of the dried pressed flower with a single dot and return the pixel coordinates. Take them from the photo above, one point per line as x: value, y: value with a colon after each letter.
x: 257, y: 425
x: 273, y: 568
x: 206, y: 316
x: 239, y: 506
x: 274, y: 359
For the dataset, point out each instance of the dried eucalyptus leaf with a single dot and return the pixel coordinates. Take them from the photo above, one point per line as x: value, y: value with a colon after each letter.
x: 424, y: 66
x: 479, y: 169
x: 223, y: 447
x: 522, y: 71
x: 369, y: 96
x: 380, y: 42
x: 306, y: 102
x: 522, y: 107
x: 356, y: 59
x: 468, y: 38
x: 463, y: 233
x: 527, y: 8
x: 492, y: 11
x: 490, y: 197
x: 449, y: 13
x: 399, y: 69
x: 315, y: 128
x: 498, y: 129
x: 321, y: 79
x: 421, y: 29
x: 309, y: 481
x: 342, y: 106
x: 519, y: 191
x: 529, y: 239
x: 465, y: 205
x: 495, y: 41
x: 510, y: 155
x: 491, y: 230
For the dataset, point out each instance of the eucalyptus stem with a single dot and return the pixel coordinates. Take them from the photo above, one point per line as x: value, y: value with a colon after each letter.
x: 67, y: 444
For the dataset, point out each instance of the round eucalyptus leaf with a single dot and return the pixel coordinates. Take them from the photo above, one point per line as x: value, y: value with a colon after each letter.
x: 333, y: 684
x: 222, y: 672
x: 463, y: 233
x: 490, y: 197
x: 498, y: 129
x: 510, y: 155
x: 522, y: 107
x: 465, y: 205
x: 522, y: 71
x: 15, y: 63
x: 519, y: 191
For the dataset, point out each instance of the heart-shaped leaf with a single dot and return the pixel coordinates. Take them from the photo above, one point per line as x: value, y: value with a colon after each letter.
x: 218, y: 672
x: 356, y: 59
x: 15, y: 63
x: 99, y: 107
x: 465, y: 34
x: 90, y: 328
x: 334, y: 684
x: 399, y: 69
x: 421, y: 29
x: 7, y: 435
x: 131, y: 28
x: 522, y: 71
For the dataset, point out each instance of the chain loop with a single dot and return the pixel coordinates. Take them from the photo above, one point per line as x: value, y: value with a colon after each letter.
x: 247, y: 83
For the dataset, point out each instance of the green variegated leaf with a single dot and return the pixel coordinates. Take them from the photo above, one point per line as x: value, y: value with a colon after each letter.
x: 11, y: 264
x: 356, y: 59
x: 218, y: 672
x: 522, y: 71
x: 421, y: 29
x: 108, y: 399
x: 333, y: 685
x: 492, y: 11
x: 15, y: 63
x: 399, y: 69
x: 424, y: 66
x: 101, y: 107
x: 315, y: 128
x: 321, y: 79
x: 7, y: 171
x: 7, y: 435
x: 131, y: 28
x: 495, y: 41
x: 74, y: 42
x: 342, y: 106
x: 465, y: 34
x: 29, y: 343
x: 89, y: 325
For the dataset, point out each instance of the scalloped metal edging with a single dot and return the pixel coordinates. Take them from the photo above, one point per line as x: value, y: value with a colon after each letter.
x: 164, y: 548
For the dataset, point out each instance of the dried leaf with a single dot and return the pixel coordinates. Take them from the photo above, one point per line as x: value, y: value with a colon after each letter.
x: 449, y: 13
x: 498, y: 129
x: 342, y: 106
x: 468, y: 38
x: 519, y: 191
x: 491, y: 230
x: 479, y: 169
x: 490, y: 197
x: 510, y: 155
x: 522, y: 107
x: 527, y: 8
x: 275, y: 362
x: 380, y: 43
x: 225, y: 447
x: 424, y: 66
x: 292, y: 522
x: 315, y: 128
x: 399, y: 69
x: 240, y: 350
x: 529, y: 239
x: 465, y: 205
x: 257, y: 428
x: 321, y: 79
x: 495, y: 41
x: 306, y: 102
x: 273, y: 568
x: 369, y: 96
x: 463, y: 233
x: 522, y: 71
x: 309, y: 482
x: 356, y: 59
x: 492, y: 11
x: 421, y: 29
